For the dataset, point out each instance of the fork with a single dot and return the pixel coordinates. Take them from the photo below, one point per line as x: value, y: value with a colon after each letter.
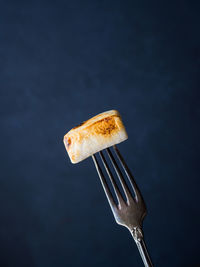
x: 130, y: 212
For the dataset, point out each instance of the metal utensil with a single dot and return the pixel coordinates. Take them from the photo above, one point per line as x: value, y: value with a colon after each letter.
x: 128, y: 212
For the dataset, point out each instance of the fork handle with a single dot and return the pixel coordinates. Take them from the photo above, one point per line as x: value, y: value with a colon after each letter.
x: 139, y: 240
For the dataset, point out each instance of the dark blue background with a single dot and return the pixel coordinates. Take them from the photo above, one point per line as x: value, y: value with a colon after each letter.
x: 65, y: 61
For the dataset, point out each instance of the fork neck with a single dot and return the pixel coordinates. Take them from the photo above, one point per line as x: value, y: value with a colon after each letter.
x: 137, y: 234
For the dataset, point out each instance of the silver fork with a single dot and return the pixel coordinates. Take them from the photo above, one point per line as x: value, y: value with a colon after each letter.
x: 130, y: 212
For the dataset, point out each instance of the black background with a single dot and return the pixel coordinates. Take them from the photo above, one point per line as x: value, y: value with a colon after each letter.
x: 62, y: 62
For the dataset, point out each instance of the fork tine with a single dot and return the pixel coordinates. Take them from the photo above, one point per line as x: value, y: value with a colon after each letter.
x: 120, y: 176
x: 136, y: 190
x: 104, y: 183
x: 114, y: 184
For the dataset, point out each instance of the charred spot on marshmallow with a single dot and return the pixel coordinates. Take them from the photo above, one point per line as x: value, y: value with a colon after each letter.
x: 105, y: 126
x: 68, y: 142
